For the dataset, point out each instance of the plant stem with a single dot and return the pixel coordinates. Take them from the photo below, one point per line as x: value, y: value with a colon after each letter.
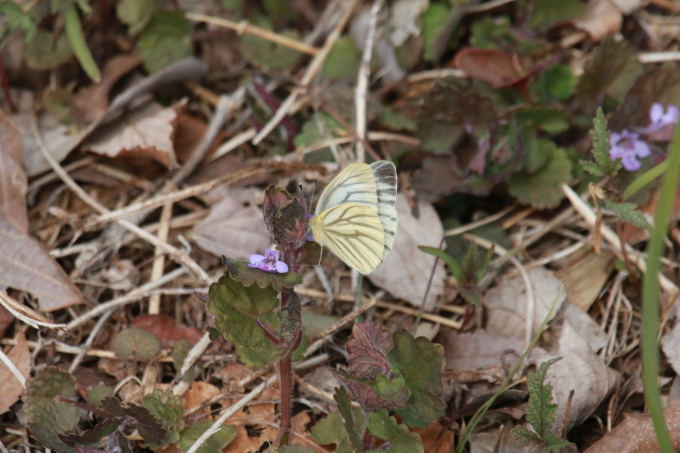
x: 650, y: 298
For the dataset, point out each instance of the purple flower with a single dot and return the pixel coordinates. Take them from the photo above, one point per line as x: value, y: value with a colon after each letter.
x: 629, y: 148
x: 269, y: 262
x: 660, y: 118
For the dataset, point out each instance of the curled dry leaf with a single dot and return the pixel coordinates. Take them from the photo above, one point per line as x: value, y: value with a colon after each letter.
x: 406, y: 271
x: 670, y: 344
x: 24, y: 264
x: 582, y: 371
x: 233, y: 228
x: 604, y: 17
x: 506, y: 303
x: 20, y: 356
x: 636, y: 434
x: 146, y: 131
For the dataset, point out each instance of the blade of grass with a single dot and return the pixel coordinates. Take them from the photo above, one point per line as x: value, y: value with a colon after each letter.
x: 505, y: 385
x: 74, y: 31
x: 650, y: 298
x: 644, y: 179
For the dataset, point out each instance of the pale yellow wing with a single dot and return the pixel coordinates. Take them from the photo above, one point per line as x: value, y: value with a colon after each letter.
x: 354, y: 184
x: 385, y: 176
x: 353, y: 232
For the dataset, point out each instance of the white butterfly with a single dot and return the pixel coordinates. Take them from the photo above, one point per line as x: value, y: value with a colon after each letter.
x: 356, y: 215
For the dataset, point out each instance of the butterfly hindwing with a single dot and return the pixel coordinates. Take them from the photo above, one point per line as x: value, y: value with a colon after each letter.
x: 385, y: 175
x: 353, y: 232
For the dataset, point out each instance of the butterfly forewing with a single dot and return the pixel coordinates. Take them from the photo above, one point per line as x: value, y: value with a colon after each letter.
x: 353, y: 232
x: 355, y: 184
x: 385, y: 176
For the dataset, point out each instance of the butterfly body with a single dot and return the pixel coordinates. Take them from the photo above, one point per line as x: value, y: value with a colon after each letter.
x: 356, y: 216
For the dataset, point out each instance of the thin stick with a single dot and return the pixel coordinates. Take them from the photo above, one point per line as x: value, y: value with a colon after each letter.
x: 245, y: 27
x: 12, y: 367
x: 361, y: 93
x: 193, y: 355
x: 311, y: 72
x: 135, y: 294
x: 159, y: 257
x: 26, y: 314
x: 88, y: 343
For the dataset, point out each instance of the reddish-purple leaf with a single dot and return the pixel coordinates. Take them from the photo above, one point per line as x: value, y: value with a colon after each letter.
x: 368, y: 350
x: 493, y: 66
x: 368, y: 398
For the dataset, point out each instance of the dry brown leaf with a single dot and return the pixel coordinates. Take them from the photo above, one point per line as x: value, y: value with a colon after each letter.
x: 481, y: 349
x: 146, y: 131
x: 166, y: 329
x: 406, y: 271
x: 198, y: 393
x: 586, y: 327
x: 636, y: 434
x: 604, y: 17
x: 20, y: 356
x: 494, y: 440
x: 91, y: 103
x: 232, y: 228
x: 670, y: 344
x: 506, y: 303
x: 59, y: 139
x: 580, y: 370
x: 24, y: 264
x: 584, y: 275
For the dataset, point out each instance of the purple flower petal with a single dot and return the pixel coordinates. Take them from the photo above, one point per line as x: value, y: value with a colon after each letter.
x: 281, y: 267
x: 642, y: 149
x: 254, y: 259
x: 631, y: 163
x: 656, y: 112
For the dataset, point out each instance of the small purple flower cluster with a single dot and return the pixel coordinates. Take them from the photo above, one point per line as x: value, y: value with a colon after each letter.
x: 628, y: 146
x: 269, y: 262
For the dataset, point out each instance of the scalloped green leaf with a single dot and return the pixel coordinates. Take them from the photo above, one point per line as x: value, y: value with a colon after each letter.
x: 343, y: 60
x: 420, y: 363
x: 557, y: 82
x: 149, y: 427
x: 552, y: 121
x: 45, y: 51
x: 239, y: 271
x: 214, y: 444
x: 236, y: 309
x: 400, y: 440
x: 136, y: 14
x: 266, y: 53
x: 179, y: 354
x: 543, y: 189
x: 167, y: 407
x: 96, y: 394
x: 628, y: 212
x: 165, y: 40
x: 331, y: 430
x: 355, y: 422
x: 92, y: 436
x: 137, y: 343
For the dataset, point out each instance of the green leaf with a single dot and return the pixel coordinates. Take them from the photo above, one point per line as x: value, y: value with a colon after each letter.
x: 400, y: 440
x: 179, y: 354
x: 450, y: 261
x: 16, y: 19
x: 628, y: 212
x: 319, y: 129
x: 167, y: 407
x: 434, y: 19
x: 420, y: 363
x: 96, y: 394
x: 545, y: 13
x: 355, y: 423
x: 543, y: 189
x: 247, y: 276
x: 552, y: 121
x: 214, y: 443
x: 237, y: 308
x: 74, y: 31
x: 149, y: 427
x: 46, y: 51
x: 331, y: 430
x: 557, y: 82
x: 92, y: 436
x: 136, y: 14
x: 49, y: 417
x: 644, y: 179
x: 165, y: 40
x: 540, y: 413
x: 492, y: 33
x: 395, y: 121
x: 137, y: 343
x: 343, y: 60
x: 604, y: 165
x: 266, y: 53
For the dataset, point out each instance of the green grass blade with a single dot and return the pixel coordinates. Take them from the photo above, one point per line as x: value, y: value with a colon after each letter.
x: 644, y: 179
x: 74, y: 31
x: 650, y: 297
